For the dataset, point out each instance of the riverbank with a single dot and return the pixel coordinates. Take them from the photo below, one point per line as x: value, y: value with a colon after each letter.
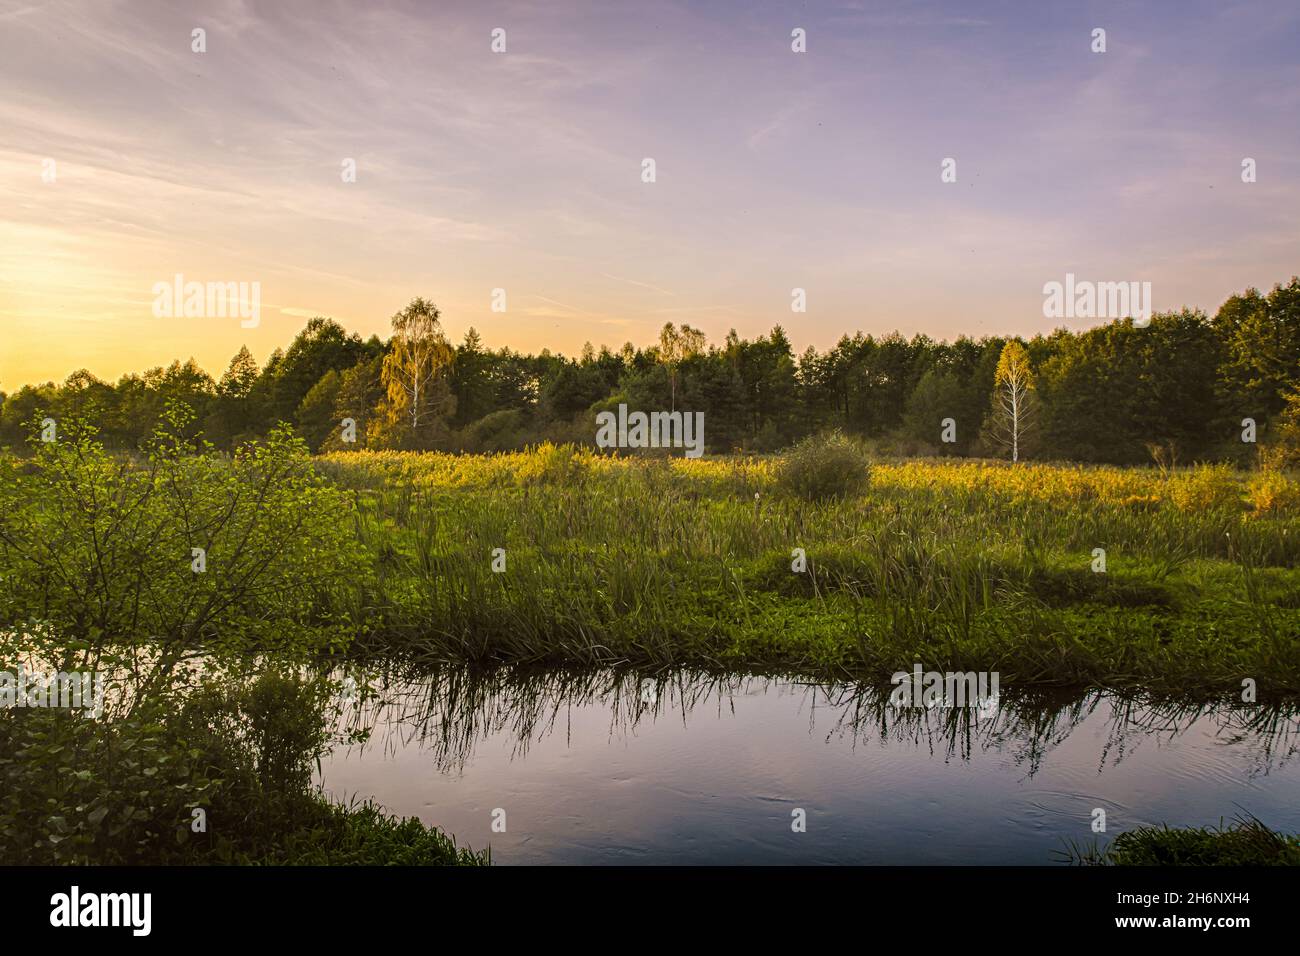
x: 1060, y: 580
x: 1181, y: 584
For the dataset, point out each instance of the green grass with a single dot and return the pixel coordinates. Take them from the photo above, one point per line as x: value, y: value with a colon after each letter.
x: 330, y: 834
x: 1245, y: 842
x: 653, y: 564
x: 665, y: 562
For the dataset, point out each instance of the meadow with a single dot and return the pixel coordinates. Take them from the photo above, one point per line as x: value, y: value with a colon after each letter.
x: 968, y: 565
x: 220, y: 592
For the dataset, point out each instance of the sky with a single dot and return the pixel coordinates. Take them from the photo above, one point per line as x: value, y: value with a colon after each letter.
x: 127, y: 158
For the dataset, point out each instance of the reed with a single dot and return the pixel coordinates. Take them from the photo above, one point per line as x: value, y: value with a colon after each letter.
x: 968, y: 565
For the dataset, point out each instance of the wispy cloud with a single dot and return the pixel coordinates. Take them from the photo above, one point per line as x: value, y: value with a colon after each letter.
x: 639, y: 285
x: 521, y: 170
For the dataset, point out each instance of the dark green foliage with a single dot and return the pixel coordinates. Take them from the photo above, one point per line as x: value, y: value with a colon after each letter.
x: 1261, y: 336
x: 939, y: 395
x: 123, y: 790
x: 824, y: 467
x: 1111, y: 394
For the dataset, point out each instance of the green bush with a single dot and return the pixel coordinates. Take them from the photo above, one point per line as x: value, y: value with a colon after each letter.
x: 549, y: 464
x: 824, y: 467
x: 101, y: 546
x: 84, y: 791
x: 76, y: 790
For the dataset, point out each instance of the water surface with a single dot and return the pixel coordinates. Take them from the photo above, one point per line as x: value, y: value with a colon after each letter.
x: 611, y: 769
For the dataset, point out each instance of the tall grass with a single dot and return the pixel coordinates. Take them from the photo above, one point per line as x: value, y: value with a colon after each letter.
x: 971, y: 564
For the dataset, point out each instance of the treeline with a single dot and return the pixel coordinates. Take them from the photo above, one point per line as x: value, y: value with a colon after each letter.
x: 1178, y: 389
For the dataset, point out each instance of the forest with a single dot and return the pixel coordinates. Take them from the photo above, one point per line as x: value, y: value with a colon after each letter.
x: 1187, y: 387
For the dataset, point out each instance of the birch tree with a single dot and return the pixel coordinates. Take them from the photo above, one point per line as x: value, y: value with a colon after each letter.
x: 1013, y: 399
x: 414, y: 373
x: 676, y: 345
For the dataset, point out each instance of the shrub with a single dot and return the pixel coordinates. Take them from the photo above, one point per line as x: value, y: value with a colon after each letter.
x: 84, y: 791
x: 101, y: 545
x: 1206, y: 488
x: 78, y: 790
x: 503, y: 430
x: 1271, y: 491
x: 1284, y: 451
x: 824, y: 467
x: 551, y: 464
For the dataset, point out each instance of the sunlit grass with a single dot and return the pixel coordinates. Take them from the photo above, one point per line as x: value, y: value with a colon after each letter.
x: 968, y: 564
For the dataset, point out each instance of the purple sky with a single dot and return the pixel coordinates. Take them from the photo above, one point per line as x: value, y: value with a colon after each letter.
x: 522, y: 170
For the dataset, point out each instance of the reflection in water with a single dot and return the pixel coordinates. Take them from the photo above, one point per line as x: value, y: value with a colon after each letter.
x: 448, y: 711
x: 614, y: 766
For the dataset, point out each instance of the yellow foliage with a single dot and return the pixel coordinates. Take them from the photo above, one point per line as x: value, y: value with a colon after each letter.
x: 1205, y: 488
x: 1271, y: 491
x: 1202, y: 488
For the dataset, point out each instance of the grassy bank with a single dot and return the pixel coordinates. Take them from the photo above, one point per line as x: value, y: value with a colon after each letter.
x: 967, y: 565
x: 1183, y: 583
x: 1244, y: 842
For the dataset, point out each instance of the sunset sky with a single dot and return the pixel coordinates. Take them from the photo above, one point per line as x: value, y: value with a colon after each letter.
x: 522, y: 170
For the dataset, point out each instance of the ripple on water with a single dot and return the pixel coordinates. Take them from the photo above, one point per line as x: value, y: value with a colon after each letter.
x: 712, y: 772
